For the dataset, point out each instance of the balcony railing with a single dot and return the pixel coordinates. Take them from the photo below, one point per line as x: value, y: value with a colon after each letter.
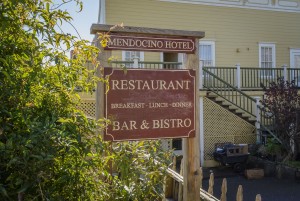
x: 244, y: 78
x: 254, y: 78
x: 147, y: 64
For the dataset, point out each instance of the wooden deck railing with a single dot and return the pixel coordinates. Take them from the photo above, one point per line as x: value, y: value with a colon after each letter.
x: 146, y: 64
x: 254, y: 78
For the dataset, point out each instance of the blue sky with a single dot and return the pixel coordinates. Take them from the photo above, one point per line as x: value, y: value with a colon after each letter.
x: 83, y: 20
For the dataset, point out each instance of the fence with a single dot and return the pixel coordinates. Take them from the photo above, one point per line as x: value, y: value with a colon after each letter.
x: 174, y: 187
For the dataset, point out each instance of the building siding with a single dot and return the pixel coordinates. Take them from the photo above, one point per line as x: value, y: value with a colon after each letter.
x: 230, y: 28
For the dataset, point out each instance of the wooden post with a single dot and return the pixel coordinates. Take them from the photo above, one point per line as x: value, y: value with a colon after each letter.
x: 200, y: 176
x: 180, y: 186
x: 103, y: 57
x: 258, y: 119
x: 258, y: 197
x: 211, y: 184
x: 239, y: 195
x: 191, y: 146
x: 168, y: 187
x: 224, y: 190
x: 238, y: 76
x: 285, y: 73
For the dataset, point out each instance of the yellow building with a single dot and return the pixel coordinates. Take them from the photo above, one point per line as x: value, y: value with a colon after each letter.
x: 247, y: 43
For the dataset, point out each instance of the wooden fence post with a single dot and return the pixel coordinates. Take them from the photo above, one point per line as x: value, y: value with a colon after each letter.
x: 258, y: 197
x: 191, y: 146
x: 239, y: 195
x: 174, y: 181
x: 211, y: 184
x: 200, y: 176
x: 180, y: 191
x: 169, y: 183
x: 224, y: 190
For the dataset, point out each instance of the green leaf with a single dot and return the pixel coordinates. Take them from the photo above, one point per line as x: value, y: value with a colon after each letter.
x: 47, y: 7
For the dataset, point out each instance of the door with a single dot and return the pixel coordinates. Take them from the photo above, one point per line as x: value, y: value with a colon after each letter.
x: 295, y: 65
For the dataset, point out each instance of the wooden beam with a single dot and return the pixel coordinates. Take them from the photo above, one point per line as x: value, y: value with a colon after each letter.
x: 191, y: 146
x: 100, y: 91
x: 96, y: 28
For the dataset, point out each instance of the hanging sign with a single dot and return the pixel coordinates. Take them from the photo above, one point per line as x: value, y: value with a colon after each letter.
x: 149, y: 104
x: 160, y: 44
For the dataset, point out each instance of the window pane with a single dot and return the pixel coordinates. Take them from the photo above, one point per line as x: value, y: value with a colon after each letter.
x: 206, y: 54
x: 267, y: 59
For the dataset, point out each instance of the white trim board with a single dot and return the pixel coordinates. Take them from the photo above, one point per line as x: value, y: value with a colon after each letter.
x: 278, y: 5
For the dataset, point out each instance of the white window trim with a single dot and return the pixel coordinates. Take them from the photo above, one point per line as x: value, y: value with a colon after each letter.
x: 213, y: 49
x: 292, y: 73
x: 273, y: 46
x: 124, y: 55
x: 292, y: 52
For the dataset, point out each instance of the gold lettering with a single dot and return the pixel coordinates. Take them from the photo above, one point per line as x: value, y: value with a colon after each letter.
x: 163, y: 85
x: 125, y: 42
x: 131, y: 85
x: 150, y: 85
x: 115, y: 84
x: 174, y: 45
x: 124, y: 84
x: 171, y: 123
x: 185, y: 45
x: 157, y: 105
x: 160, y: 44
x: 171, y: 86
x: 143, y: 43
x: 116, y: 125
x: 138, y: 43
x: 155, y: 124
x: 146, y: 86
x: 139, y: 84
x: 112, y: 42
x: 152, y: 43
x: 168, y: 44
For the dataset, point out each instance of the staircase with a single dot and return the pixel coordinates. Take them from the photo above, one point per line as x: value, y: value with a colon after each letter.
x: 237, y: 102
x: 231, y: 107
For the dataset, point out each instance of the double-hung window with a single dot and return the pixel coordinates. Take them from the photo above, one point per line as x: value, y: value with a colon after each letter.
x: 207, y: 53
x: 130, y: 56
x: 267, y: 59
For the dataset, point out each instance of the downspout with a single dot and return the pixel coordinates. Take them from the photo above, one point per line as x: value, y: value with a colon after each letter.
x: 101, y: 13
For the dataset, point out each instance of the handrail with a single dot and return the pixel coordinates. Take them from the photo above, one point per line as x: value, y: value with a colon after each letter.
x: 243, y: 105
x: 224, y: 90
x: 179, y: 178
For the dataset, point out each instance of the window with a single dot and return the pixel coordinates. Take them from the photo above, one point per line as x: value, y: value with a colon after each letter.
x: 267, y: 58
x: 207, y: 53
x: 130, y: 55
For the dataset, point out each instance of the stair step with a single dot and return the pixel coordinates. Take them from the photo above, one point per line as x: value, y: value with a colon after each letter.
x: 228, y: 106
x: 212, y: 95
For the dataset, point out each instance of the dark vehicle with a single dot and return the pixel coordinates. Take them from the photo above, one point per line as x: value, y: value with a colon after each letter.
x: 234, y: 155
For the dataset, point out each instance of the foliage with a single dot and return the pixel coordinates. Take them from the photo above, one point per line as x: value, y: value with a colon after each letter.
x: 48, y: 148
x: 294, y: 164
x: 274, y: 150
x: 281, y: 102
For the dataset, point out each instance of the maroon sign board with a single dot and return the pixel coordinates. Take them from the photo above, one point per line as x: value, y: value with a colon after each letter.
x: 149, y: 104
x: 141, y: 43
